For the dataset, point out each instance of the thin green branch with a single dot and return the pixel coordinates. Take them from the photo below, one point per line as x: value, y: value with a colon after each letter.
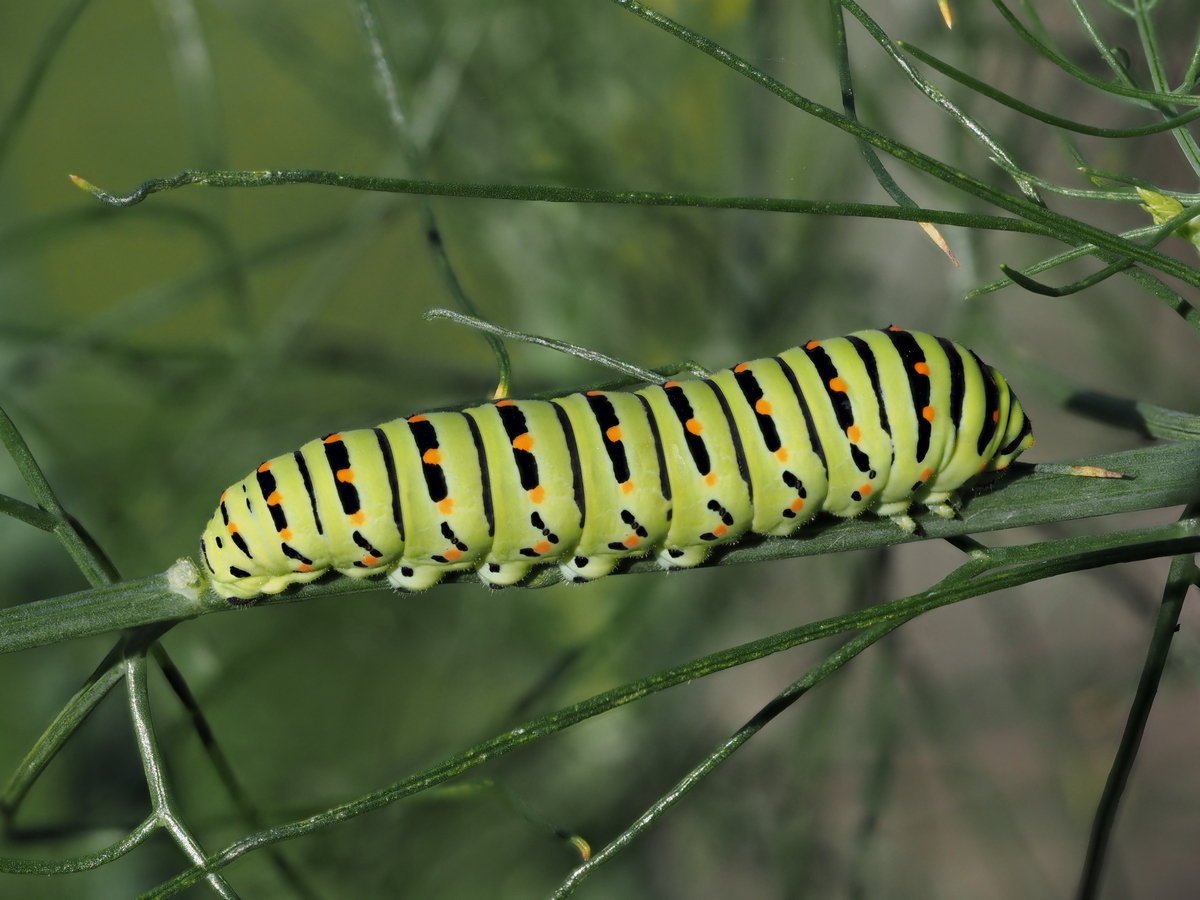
x: 82, y: 863
x: 161, y: 799
x: 1063, y: 226
x: 873, y: 160
x: 1026, y: 564
x: 1118, y: 196
x: 882, y: 723
x: 30, y: 515
x: 1160, y: 234
x: 1077, y: 157
x: 46, y: 51
x: 1031, y: 10
x: 689, y: 366
x: 247, y: 811
x: 1078, y: 73
x: 126, y: 604
x: 1109, y: 54
x: 1183, y: 575
x: 1170, y: 297
x: 1025, y: 109
x: 88, y: 556
x: 1159, y: 476
x: 999, y: 155
x: 1055, y: 261
x: 1193, y: 72
x: 1158, y: 77
x: 1066, y: 290
x: 968, y: 545
x: 556, y: 194
x: 849, y: 106
x: 1121, y: 178
x: 1038, y: 220
x: 515, y: 803
x: 195, y: 83
x: 385, y: 82
x: 781, y: 702
x: 645, y: 376
x: 106, y: 676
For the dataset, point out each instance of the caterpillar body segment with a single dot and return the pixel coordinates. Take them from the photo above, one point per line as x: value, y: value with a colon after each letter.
x: 875, y: 420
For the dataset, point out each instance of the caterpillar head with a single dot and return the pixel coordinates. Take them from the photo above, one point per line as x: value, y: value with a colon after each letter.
x: 1017, y: 430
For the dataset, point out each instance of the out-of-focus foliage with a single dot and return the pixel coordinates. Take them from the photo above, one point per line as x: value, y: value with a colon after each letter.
x: 152, y: 355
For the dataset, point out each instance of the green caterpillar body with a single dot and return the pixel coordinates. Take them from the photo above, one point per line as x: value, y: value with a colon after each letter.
x: 876, y: 420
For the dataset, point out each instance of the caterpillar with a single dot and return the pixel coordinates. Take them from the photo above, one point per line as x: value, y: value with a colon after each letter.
x: 876, y: 420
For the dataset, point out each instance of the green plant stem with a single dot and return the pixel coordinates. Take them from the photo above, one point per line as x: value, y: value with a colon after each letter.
x: 778, y: 704
x: 884, y: 716
x: 88, y: 556
x: 1023, y: 565
x: 1055, y: 261
x: 30, y: 515
x: 1122, y: 178
x: 645, y: 376
x: 689, y: 366
x: 1032, y: 212
x: 247, y: 811
x: 1193, y: 72
x: 195, y: 84
x: 557, y: 194
x: 1172, y: 298
x: 514, y: 803
x: 1156, y: 477
x: 161, y: 798
x: 1078, y: 73
x: 849, y: 106
x: 106, y: 676
x: 1025, y: 109
x: 1107, y: 53
x: 126, y: 604
x: 1036, y: 219
x: 1036, y: 287
x: 999, y: 155
x: 53, y: 39
x: 1119, y: 7
x: 1182, y: 576
x: 83, y: 863
x: 385, y: 81
x: 1158, y: 77
x: 1118, y: 196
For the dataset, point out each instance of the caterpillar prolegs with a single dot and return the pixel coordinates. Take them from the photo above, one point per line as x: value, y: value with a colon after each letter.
x: 875, y: 420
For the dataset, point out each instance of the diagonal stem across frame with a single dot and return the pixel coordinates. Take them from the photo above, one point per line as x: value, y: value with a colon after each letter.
x: 1182, y: 576
x: 760, y: 720
x: 385, y: 81
x: 988, y: 570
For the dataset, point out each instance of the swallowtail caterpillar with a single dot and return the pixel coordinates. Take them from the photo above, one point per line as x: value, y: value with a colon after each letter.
x: 875, y: 420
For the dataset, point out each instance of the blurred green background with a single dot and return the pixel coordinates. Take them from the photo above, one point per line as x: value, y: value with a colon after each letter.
x: 152, y: 355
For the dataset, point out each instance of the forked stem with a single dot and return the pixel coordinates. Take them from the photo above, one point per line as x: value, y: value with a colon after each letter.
x: 162, y: 800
